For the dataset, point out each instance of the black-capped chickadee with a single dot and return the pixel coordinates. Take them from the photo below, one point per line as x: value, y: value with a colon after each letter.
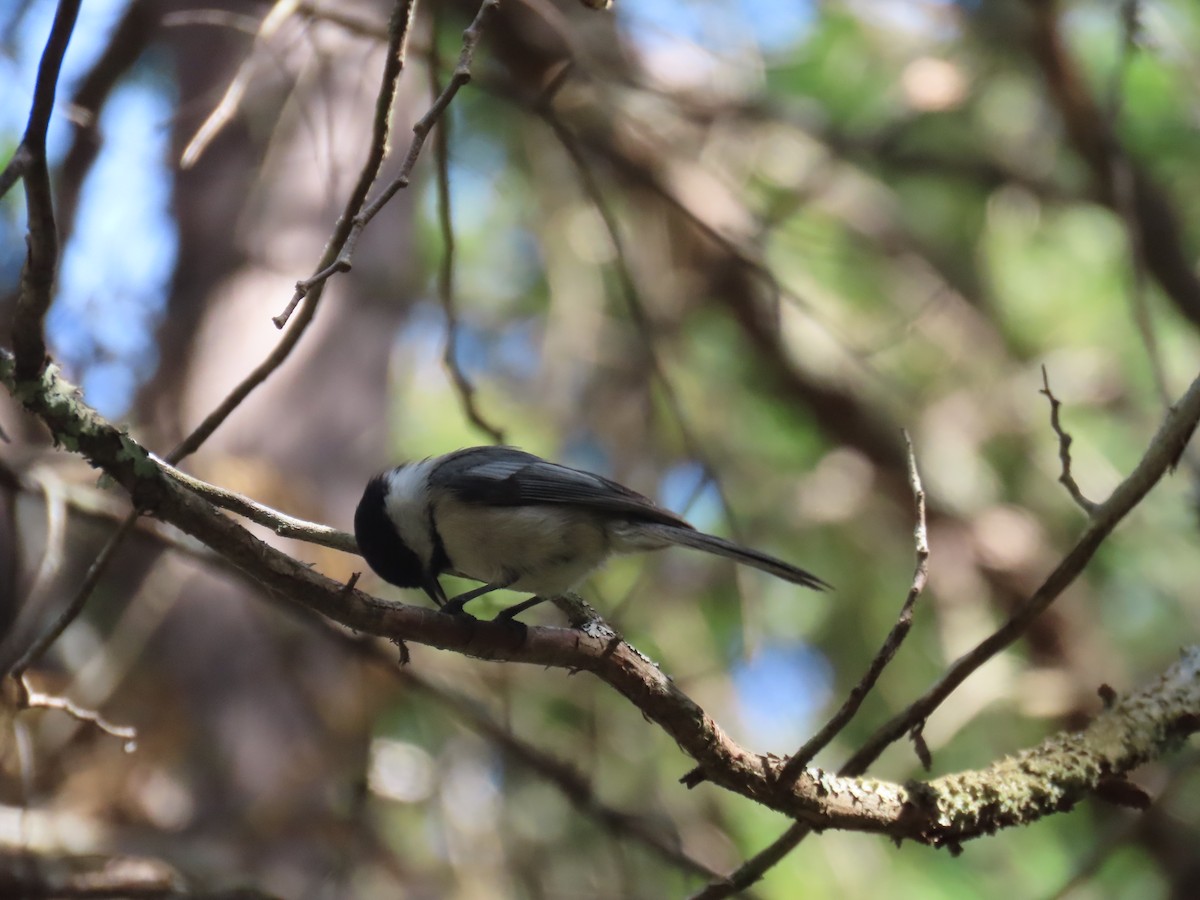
x: 512, y: 520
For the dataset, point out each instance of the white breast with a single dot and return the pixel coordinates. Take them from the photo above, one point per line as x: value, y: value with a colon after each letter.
x: 546, y: 549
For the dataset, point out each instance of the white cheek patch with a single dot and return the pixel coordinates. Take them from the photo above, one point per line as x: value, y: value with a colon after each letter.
x: 407, y: 505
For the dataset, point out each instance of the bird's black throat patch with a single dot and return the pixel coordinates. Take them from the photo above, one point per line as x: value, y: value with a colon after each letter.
x: 379, y: 542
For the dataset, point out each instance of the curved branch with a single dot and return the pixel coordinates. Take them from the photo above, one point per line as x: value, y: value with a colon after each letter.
x: 41, y: 259
x: 280, y: 523
x: 942, y: 812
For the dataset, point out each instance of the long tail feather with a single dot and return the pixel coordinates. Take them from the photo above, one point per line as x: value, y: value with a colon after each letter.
x: 698, y: 540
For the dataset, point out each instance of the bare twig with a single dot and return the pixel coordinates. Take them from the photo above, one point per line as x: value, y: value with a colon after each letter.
x: 756, y: 867
x: 1160, y: 456
x: 398, y: 31
x: 397, y: 37
x: 94, y: 573
x: 341, y: 260
x: 1164, y: 448
x: 280, y: 523
x: 891, y: 644
x: 441, y: 147
x: 1064, y: 450
x: 41, y: 259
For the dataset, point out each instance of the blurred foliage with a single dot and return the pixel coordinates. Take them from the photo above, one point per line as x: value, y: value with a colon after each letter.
x: 890, y: 188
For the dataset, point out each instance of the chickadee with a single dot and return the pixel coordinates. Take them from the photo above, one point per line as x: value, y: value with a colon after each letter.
x: 512, y: 520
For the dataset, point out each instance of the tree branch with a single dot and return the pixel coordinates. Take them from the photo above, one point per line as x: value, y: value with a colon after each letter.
x: 1160, y: 457
x: 891, y: 643
x: 942, y: 812
x: 280, y: 523
x: 394, y: 65
x: 341, y: 260
x: 1064, y: 449
x: 41, y: 259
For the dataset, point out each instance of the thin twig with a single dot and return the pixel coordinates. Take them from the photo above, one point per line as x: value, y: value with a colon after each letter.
x: 441, y: 148
x: 94, y: 573
x: 1172, y: 436
x: 796, y: 764
x: 398, y: 30
x: 753, y: 869
x: 280, y: 523
x: 342, y: 261
x: 1164, y: 449
x: 1064, y: 450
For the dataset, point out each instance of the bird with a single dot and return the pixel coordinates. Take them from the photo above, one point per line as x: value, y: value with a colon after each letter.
x: 510, y: 519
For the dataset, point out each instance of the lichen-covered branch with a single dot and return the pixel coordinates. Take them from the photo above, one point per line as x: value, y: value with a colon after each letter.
x: 1067, y: 767
x: 1160, y: 457
x: 942, y: 812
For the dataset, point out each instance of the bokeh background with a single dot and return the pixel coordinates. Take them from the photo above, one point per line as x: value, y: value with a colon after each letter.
x: 721, y: 251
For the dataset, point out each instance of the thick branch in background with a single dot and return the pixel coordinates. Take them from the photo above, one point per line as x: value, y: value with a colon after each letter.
x: 938, y: 813
x: 1148, y: 211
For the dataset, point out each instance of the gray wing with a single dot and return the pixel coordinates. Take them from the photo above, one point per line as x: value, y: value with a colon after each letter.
x: 505, y: 476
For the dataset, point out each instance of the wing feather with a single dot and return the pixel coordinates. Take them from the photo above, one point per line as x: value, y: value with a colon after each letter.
x: 505, y: 476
